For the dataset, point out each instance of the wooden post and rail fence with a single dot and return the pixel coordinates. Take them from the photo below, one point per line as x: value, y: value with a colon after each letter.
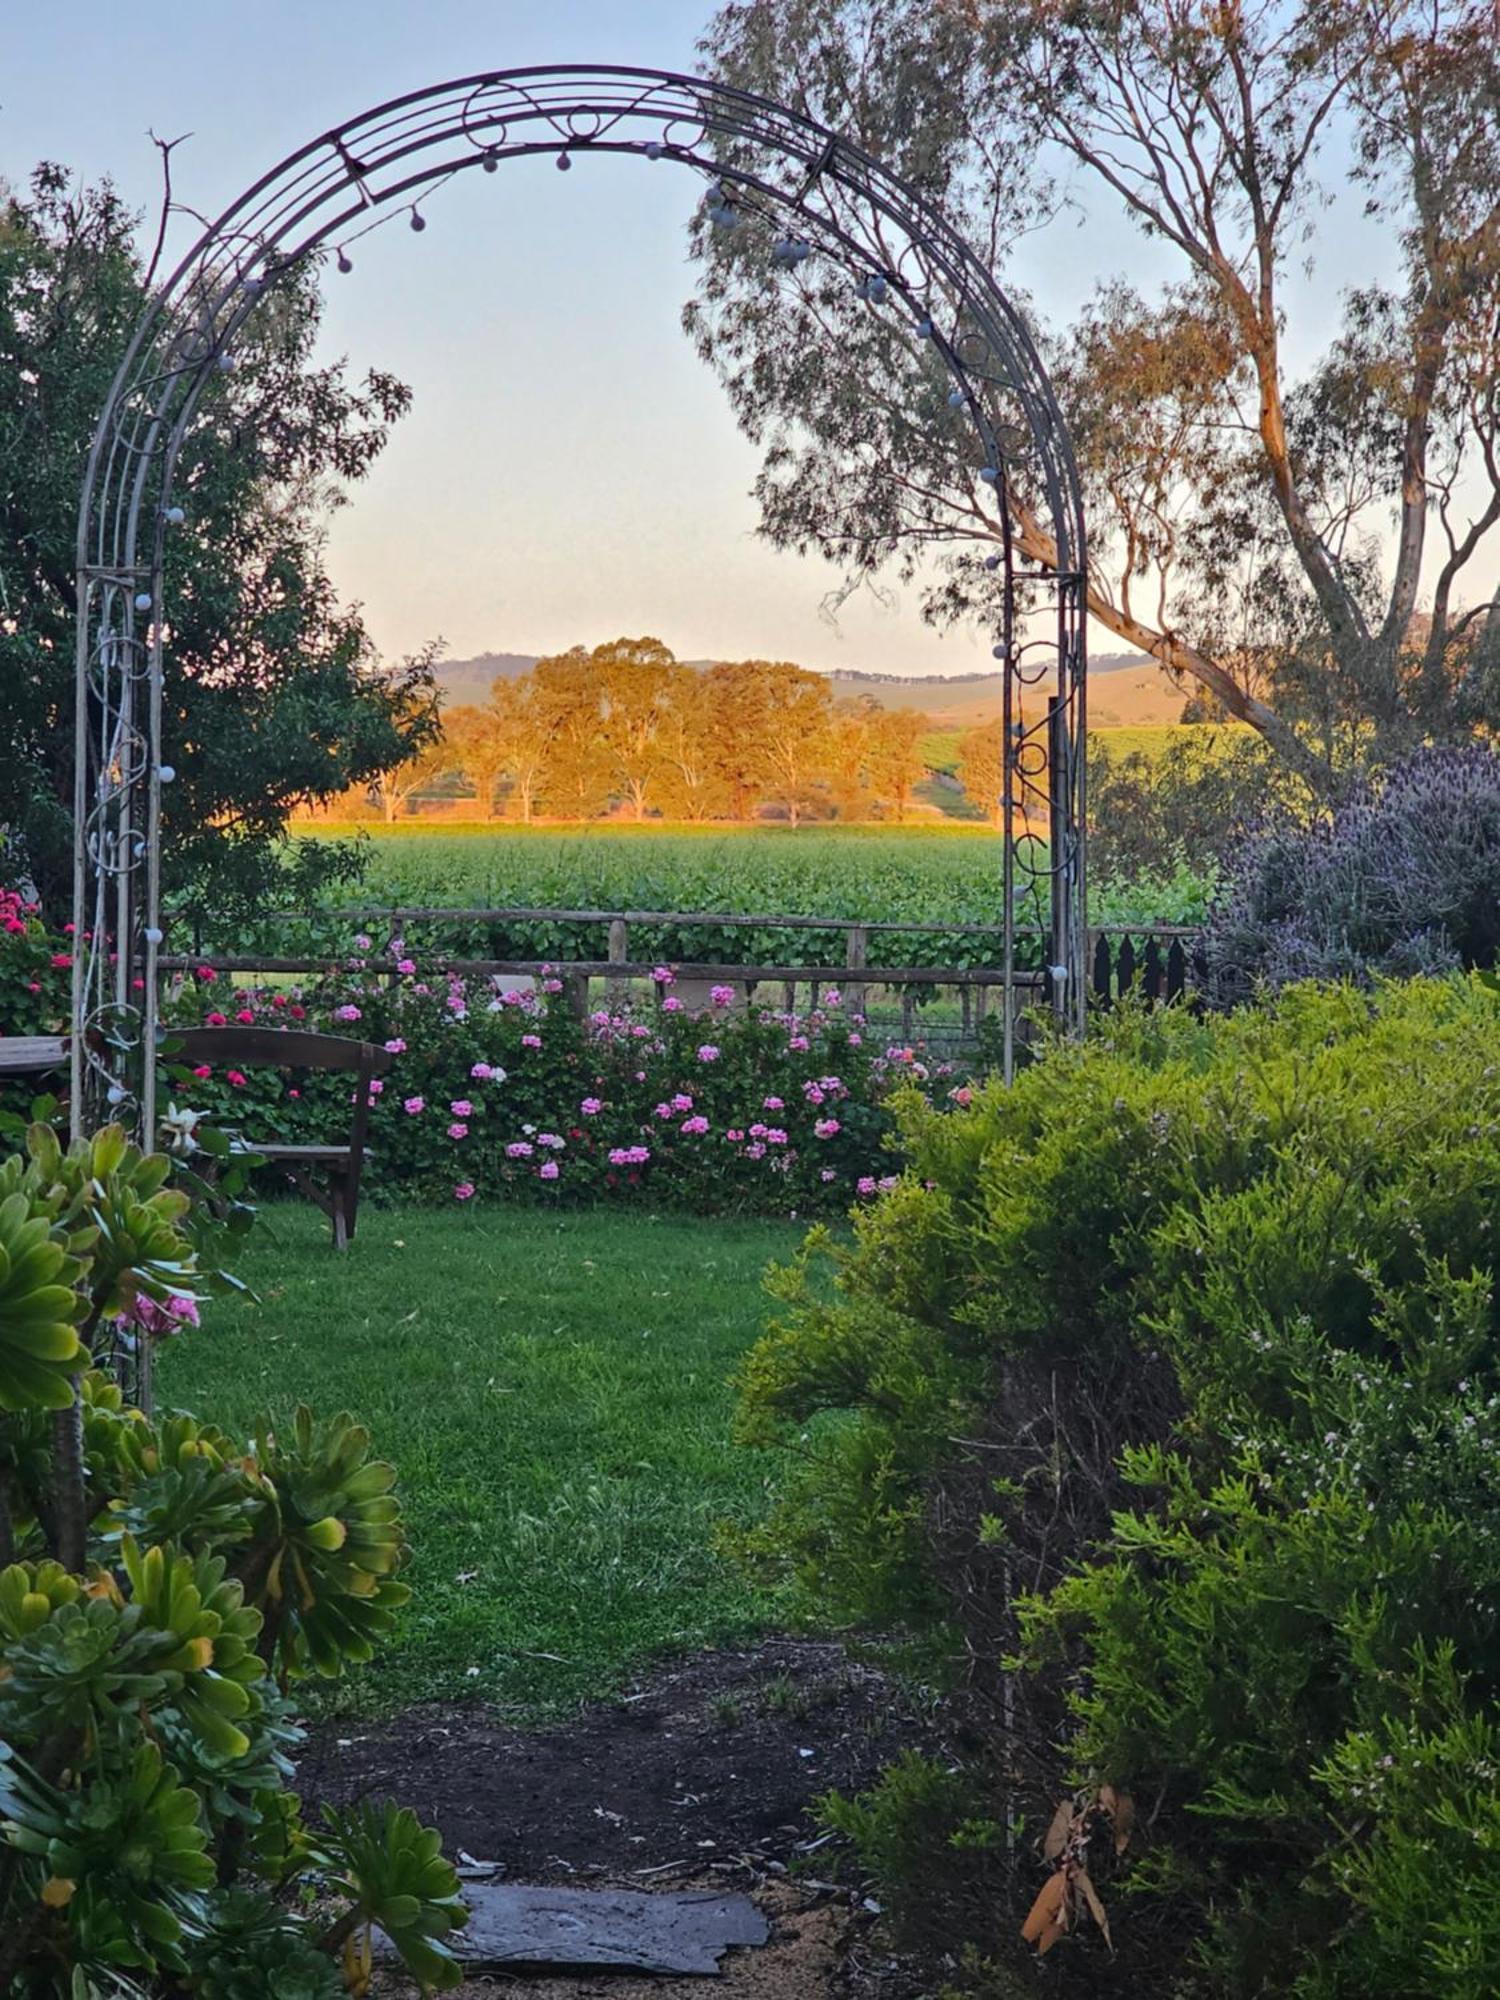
x: 1159, y: 962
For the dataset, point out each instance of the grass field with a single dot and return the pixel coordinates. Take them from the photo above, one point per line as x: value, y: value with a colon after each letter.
x: 553, y: 1392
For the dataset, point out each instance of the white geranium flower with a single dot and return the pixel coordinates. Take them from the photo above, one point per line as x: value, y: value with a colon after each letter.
x: 178, y: 1128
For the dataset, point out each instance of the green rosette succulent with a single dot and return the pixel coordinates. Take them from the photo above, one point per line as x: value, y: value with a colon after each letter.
x: 326, y: 1547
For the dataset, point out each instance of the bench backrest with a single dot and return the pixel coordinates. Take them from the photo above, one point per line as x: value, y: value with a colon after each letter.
x: 275, y: 1048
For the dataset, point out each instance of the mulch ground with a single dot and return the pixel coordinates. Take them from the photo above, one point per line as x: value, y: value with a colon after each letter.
x: 704, y: 1774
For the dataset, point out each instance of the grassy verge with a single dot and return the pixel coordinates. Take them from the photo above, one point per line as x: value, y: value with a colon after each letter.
x: 553, y: 1392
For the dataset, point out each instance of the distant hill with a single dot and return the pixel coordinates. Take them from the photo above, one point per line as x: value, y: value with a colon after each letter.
x: 471, y: 680
x: 1126, y: 689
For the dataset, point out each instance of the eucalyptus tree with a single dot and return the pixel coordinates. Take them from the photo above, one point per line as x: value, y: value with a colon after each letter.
x: 1292, y: 499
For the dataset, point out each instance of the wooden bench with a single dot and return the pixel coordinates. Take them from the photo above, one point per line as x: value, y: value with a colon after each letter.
x: 341, y: 1166
x: 28, y: 1055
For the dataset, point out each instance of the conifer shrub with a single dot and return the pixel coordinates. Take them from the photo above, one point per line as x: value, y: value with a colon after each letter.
x: 1161, y: 1402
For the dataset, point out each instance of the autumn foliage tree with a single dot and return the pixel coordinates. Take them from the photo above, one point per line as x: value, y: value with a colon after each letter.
x: 626, y: 726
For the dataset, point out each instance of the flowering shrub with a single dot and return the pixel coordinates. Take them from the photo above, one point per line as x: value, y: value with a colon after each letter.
x: 35, y: 969
x: 510, y: 1093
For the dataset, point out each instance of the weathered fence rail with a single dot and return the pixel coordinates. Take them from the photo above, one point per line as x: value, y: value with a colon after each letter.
x: 1161, y: 962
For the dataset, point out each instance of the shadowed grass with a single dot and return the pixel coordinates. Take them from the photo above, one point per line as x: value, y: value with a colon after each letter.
x: 553, y: 1393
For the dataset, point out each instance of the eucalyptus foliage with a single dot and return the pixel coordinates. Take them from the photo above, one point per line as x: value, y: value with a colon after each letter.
x: 1240, y: 499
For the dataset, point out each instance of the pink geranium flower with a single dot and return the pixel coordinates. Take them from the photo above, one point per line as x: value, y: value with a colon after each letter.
x: 463, y: 1191
x: 591, y: 1106
x: 549, y: 1170
x: 458, y: 1130
x: 461, y: 1108
x: 414, y: 1105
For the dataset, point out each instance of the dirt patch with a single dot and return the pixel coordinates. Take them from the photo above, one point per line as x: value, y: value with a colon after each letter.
x: 701, y: 1775
x: 713, y: 1758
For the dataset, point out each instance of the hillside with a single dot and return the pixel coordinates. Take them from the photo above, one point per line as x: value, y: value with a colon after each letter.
x: 1125, y: 691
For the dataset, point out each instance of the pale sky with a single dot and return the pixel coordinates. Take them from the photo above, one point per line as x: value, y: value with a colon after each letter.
x: 569, y: 472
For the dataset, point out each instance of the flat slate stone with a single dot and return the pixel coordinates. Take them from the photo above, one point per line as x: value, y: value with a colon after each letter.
x: 623, y: 1930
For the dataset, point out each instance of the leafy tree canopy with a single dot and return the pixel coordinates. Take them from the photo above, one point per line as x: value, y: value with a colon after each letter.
x: 274, y: 694
x: 1302, y: 544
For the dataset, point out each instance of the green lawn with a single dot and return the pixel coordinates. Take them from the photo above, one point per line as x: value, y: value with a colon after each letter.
x: 553, y: 1392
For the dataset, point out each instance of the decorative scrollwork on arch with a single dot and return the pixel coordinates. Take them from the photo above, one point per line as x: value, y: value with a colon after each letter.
x: 804, y: 186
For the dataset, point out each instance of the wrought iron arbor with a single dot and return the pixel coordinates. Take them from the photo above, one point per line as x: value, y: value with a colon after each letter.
x: 805, y: 187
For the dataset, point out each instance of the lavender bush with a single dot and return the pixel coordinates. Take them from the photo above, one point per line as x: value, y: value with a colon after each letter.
x: 1404, y: 879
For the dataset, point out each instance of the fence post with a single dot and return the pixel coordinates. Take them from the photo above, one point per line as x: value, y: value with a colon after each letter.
x: 856, y: 958
x: 619, y: 954
x: 1103, y: 967
x: 1176, y: 970
x: 1151, y: 972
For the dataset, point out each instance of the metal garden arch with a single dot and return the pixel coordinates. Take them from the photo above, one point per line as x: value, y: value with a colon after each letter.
x: 802, y: 186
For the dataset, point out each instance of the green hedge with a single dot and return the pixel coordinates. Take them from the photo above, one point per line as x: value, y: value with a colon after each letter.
x: 1171, y: 1377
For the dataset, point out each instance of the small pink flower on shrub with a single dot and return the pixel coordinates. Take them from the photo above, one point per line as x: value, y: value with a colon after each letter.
x: 236, y: 1077
x: 463, y: 1191
x: 865, y: 1184
x: 554, y: 1141
x: 827, y: 1128
x: 245, y: 1016
x: 798, y: 1042
x: 833, y: 997
x: 461, y: 1108
x: 775, y: 1136
x: 721, y: 996
x: 682, y: 1102
x: 531, y: 1041
x: 694, y: 1127
x: 755, y: 1152
x: 348, y: 1012
x: 663, y: 975
x: 828, y: 1174
x: 708, y: 1053
x: 395, y: 1046
x: 203, y: 1070
x: 458, y: 1130
x: 377, y: 1085
x: 591, y: 1106
x: 772, y: 1104
x: 549, y: 1170
x: 406, y: 965
x: 216, y: 1020
x: 481, y: 1072
x: 414, y: 1105
x: 734, y: 1135
x: 519, y: 1149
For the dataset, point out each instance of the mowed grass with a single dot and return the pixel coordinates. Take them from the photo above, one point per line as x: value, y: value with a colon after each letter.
x: 553, y: 1392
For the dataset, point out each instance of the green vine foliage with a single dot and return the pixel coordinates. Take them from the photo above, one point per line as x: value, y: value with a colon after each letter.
x: 149, y: 1839
x: 1165, y: 1395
